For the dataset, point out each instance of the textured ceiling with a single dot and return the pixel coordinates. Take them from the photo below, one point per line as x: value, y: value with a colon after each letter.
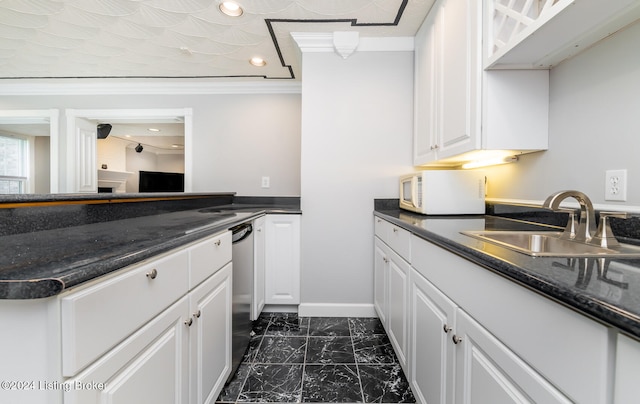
x: 181, y: 38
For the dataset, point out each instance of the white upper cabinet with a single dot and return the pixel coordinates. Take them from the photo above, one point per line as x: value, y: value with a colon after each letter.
x: 461, y: 109
x: 542, y: 33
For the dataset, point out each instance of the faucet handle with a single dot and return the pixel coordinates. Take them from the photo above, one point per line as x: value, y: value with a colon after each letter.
x: 569, y: 232
x: 604, y: 236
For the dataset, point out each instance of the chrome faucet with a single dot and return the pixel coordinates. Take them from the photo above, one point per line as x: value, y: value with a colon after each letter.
x: 586, y: 226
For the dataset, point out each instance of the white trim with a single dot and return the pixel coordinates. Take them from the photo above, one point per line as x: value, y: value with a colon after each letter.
x: 323, y: 42
x: 568, y: 204
x: 336, y: 310
x: 165, y: 87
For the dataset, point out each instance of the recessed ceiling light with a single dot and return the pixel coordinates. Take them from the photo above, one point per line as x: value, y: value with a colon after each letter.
x: 257, y: 61
x: 153, y: 130
x: 231, y: 8
x: 177, y: 145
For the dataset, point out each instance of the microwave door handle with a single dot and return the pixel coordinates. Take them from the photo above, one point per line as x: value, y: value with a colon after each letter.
x: 414, y: 191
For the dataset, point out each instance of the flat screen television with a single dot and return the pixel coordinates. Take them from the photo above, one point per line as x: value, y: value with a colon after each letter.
x: 157, y: 181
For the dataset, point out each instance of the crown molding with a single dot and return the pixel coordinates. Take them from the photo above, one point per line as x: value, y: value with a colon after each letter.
x: 164, y: 87
x: 324, y: 42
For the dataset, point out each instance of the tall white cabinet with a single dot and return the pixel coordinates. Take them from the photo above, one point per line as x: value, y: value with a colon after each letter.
x: 460, y: 109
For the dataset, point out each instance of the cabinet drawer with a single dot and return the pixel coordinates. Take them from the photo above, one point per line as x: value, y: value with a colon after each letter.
x: 208, y: 256
x: 400, y: 242
x: 394, y: 236
x: 98, y: 317
x: 381, y: 228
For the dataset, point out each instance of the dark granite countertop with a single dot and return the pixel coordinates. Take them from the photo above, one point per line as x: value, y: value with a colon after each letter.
x: 607, y: 290
x: 47, y: 260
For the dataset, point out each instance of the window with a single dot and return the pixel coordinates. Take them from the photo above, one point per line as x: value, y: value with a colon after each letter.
x: 14, y: 163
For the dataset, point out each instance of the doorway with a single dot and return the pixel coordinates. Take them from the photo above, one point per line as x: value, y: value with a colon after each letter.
x: 82, y: 148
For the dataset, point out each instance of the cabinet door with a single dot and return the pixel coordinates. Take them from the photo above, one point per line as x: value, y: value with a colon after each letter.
x: 282, y: 259
x: 258, y: 267
x: 151, y: 366
x: 211, y: 313
x: 398, y: 305
x: 426, y: 81
x: 459, y: 76
x: 380, y: 280
x: 432, y: 355
x: 488, y: 372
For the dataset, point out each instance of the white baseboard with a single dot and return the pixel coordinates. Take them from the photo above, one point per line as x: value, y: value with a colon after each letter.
x: 336, y: 310
x: 280, y: 308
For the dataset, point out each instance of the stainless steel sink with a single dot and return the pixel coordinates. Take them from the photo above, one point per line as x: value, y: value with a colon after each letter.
x: 549, y: 244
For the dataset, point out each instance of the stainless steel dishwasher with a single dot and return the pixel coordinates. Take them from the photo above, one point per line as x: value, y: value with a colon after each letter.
x: 242, y: 256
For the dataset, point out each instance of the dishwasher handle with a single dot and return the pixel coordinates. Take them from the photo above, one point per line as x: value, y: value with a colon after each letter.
x: 241, y: 232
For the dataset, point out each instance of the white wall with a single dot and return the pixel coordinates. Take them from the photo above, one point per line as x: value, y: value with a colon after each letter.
x: 237, y: 138
x: 594, y: 126
x: 112, y: 152
x: 356, y: 141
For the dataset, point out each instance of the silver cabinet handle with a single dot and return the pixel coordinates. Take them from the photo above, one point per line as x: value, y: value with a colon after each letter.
x: 446, y: 329
x: 395, y: 230
x: 218, y: 242
x: 456, y: 339
x: 152, y: 274
x: 188, y: 322
x: 197, y: 314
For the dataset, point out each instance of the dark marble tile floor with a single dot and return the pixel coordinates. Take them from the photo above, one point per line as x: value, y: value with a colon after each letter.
x: 295, y: 359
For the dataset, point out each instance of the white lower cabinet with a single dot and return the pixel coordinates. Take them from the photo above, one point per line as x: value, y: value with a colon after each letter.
x: 182, y: 355
x: 391, y: 285
x: 152, y: 366
x: 398, y: 314
x: 488, y: 372
x: 476, y: 337
x: 158, y: 331
x: 432, y: 351
x: 282, y: 259
x: 380, y: 280
x: 210, y: 336
x: 259, y: 256
x: 455, y: 359
x: 464, y: 334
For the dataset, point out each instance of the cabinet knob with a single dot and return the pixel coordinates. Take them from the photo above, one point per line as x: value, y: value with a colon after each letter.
x: 188, y: 322
x: 446, y: 329
x: 152, y: 274
x: 395, y: 230
x: 456, y: 339
x: 197, y: 314
x: 218, y: 242
x: 385, y: 259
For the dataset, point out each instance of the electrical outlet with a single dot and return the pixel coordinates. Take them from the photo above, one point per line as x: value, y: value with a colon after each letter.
x: 615, y: 185
x: 266, y: 182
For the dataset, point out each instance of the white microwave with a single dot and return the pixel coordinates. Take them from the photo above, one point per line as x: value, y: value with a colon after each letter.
x: 443, y: 192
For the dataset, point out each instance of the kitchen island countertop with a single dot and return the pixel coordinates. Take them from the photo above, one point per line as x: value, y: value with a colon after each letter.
x: 46, y: 262
x: 607, y: 290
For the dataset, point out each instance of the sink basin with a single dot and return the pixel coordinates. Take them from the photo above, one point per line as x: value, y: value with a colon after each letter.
x: 549, y: 244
